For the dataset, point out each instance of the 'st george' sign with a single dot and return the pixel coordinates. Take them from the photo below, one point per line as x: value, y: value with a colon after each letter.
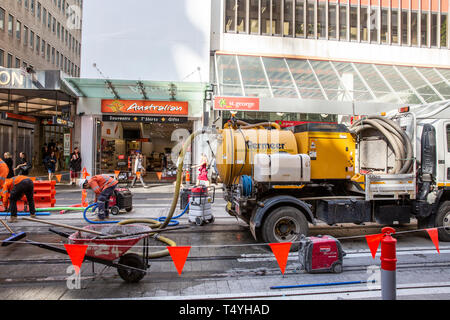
x: 236, y: 103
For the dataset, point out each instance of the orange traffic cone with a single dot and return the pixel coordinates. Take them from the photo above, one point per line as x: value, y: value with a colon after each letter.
x: 188, y: 176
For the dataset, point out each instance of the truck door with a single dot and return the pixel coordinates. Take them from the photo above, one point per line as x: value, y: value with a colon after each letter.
x: 445, y: 174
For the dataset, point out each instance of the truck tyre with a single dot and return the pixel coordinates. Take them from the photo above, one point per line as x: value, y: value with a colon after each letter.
x: 284, y: 224
x: 443, y: 220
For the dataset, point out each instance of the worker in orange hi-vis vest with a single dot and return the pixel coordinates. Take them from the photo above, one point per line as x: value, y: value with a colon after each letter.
x: 103, y: 187
x: 4, y: 171
x: 13, y: 190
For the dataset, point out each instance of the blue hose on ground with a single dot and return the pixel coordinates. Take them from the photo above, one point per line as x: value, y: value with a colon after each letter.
x: 321, y: 284
x: 94, y: 206
x: 174, y: 222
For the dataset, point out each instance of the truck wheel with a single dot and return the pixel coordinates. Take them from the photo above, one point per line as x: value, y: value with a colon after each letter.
x: 443, y: 220
x: 284, y: 224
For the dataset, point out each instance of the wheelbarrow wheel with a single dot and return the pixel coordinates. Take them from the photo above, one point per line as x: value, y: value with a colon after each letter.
x: 135, y: 261
x: 115, y: 210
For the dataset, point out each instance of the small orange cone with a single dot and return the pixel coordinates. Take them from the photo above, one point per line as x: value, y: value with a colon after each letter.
x: 116, y: 173
x: 159, y: 174
x: 188, y: 176
x: 58, y: 177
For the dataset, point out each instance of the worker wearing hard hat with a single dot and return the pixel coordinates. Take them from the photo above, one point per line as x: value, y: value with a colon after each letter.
x: 13, y: 190
x: 103, y: 187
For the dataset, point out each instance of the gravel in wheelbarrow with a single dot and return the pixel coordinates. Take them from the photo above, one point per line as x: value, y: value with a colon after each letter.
x: 109, y: 249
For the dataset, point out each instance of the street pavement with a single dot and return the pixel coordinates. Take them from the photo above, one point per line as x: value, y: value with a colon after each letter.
x: 224, y: 261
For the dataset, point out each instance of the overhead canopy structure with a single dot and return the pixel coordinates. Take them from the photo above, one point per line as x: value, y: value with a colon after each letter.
x: 326, y: 80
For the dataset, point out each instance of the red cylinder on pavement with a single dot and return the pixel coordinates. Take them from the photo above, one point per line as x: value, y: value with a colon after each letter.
x: 388, y: 265
x: 388, y: 250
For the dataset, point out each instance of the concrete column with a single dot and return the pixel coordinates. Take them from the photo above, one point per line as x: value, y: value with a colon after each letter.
x: 15, y: 136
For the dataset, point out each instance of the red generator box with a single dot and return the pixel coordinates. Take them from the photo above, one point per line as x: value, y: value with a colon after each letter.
x: 321, y: 254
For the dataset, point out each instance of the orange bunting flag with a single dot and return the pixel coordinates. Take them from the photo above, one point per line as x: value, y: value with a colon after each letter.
x: 179, y: 256
x: 433, y: 233
x: 58, y: 177
x: 116, y: 173
x: 374, y: 242
x: 76, y: 253
x: 159, y: 174
x: 281, y: 252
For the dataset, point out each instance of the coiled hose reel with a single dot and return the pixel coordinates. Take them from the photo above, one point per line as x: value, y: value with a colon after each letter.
x: 396, y: 137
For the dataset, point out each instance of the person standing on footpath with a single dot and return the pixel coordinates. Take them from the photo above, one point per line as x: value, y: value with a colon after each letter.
x: 203, y: 168
x: 23, y: 167
x: 50, y: 164
x: 9, y: 162
x: 75, y: 165
x: 139, y: 167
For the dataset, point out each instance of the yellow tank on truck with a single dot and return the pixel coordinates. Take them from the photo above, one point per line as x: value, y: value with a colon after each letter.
x: 237, y: 148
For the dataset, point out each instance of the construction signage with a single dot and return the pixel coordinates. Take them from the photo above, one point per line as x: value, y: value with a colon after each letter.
x: 144, y: 107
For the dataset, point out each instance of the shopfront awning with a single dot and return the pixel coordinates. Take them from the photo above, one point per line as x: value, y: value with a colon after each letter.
x: 326, y: 80
x: 138, y: 89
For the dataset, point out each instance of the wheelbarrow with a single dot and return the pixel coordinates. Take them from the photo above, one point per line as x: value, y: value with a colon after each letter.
x: 109, y: 245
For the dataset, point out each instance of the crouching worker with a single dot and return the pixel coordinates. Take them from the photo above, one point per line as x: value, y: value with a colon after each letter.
x: 103, y: 187
x: 13, y: 190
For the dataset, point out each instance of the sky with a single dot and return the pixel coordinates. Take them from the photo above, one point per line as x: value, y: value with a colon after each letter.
x: 158, y: 40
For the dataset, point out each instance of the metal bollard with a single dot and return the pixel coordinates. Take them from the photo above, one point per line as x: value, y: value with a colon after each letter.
x: 388, y: 265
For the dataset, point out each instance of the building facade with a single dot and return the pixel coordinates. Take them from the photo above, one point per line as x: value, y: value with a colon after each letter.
x: 307, y: 59
x: 43, y: 34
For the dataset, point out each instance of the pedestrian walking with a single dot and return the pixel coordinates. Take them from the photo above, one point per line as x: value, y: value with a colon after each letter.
x: 23, y: 168
x: 50, y: 164
x: 7, y: 158
x: 103, y: 187
x: 75, y: 165
x: 203, y: 169
x: 139, y: 169
x: 13, y: 190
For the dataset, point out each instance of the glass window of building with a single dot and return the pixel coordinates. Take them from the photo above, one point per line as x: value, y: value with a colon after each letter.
x: 384, y: 25
x: 32, y: 40
x: 2, y: 19
x: 444, y: 30
x: 253, y: 77
x: 434, y: 29
x: 9, y: 62
x: 49, y: 21
x: 54, y: 25
x: 405, y: 27
x: 353, y: 23
x: 374, y: 23
x: 38, y: 44
x: 332, y: 18
x: 424, y: 29
x: 44, y: 16
x: 32, y: 6
x: 25, y: 35
x: 321, y: 19
x: 343, y: 23
x: 265, y: 17
x: 288, y: 14
x: 10, y: 25
x: 48, y: 52
x: 279, y: 78
x: 277, y: 22
x: 414, y: 28
x: 2, y: 58
x: 18, y: 29
x: 310, y: 18
x: 241, y: 16
x: 26, y: 4
x: 17, y: 65
x: 38, y: 10
x: 394, y: 25
x: 254, y: 16
x: 53, y: 55
x: 300, y: 18
x: 227, y: 75
x: 305, y: 79
x: 43, y: 48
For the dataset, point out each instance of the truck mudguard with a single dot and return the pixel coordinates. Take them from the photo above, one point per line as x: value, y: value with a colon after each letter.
x: 279, y: 201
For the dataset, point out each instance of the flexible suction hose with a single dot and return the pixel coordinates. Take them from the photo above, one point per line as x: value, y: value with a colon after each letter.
x: 396, y: 137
